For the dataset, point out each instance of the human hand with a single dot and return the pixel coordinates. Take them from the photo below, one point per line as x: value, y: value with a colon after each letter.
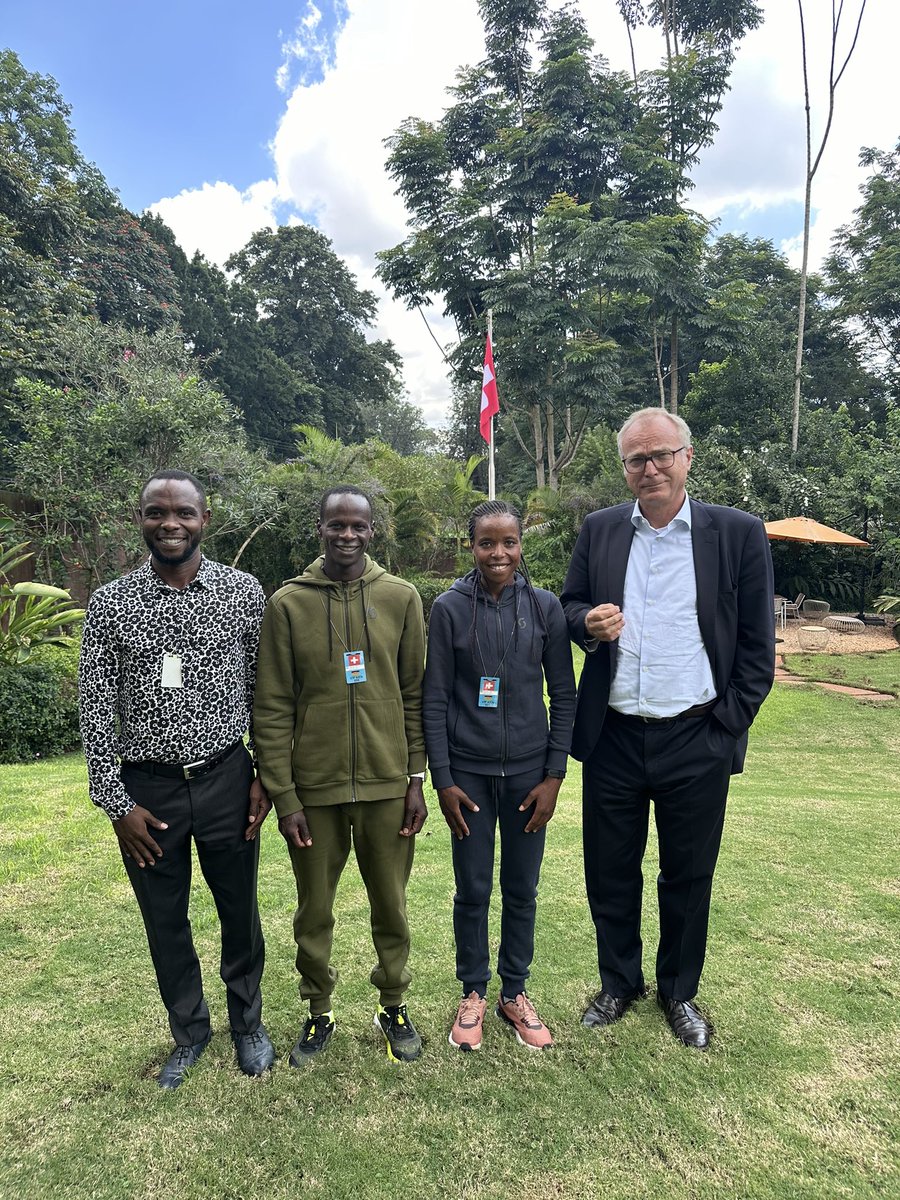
x: 605, y: 622
x: 260, y: 805
x: 415, y: 813
x: 135, y: 839
x: 295, y: 831
x: 452, y: 800
x: 543, y: 797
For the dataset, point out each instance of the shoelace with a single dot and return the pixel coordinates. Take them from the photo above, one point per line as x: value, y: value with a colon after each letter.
x: 398, y: 1019
x: 527, y: 1013
x: 470, y: 1011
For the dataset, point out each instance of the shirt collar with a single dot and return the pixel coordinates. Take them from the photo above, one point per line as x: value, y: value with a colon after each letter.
x: 639, y: 521
x: 205, y: 577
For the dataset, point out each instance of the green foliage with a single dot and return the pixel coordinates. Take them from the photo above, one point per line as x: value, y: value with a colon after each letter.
x: 864, y: 268
x: 131, y: 405
x: 429, y: 587
x: 314, y: 318
x: 31, y: 614
x: 39, y: 704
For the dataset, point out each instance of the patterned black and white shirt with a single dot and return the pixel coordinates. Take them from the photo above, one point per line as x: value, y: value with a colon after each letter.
x: 212, y: 626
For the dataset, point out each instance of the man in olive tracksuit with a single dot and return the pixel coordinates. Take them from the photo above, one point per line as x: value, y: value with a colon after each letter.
x: 338, y: 729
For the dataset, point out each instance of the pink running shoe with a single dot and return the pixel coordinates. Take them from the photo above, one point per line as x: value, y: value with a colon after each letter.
x: 466, y: 1031
x: 530, y: 1030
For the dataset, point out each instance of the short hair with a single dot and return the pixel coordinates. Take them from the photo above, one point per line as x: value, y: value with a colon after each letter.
x: 493, y: 508
x: 344, y: 489
x: 181, y: 477
x: 643, y: 414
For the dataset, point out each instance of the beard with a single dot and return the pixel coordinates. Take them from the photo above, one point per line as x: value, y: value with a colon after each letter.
x: 177, y: 558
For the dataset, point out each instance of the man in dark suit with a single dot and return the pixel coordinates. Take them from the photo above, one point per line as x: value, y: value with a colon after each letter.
x: 672, y: 601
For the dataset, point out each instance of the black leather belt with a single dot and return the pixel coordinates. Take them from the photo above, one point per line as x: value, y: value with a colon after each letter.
x: 183, y: 770
x: 696, y: 710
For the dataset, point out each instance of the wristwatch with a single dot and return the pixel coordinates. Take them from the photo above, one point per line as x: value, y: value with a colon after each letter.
x: 555, y: 774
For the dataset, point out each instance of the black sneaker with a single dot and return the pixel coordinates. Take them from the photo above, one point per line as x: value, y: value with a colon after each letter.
x: 313, y: 1039
x: 403, y: 1042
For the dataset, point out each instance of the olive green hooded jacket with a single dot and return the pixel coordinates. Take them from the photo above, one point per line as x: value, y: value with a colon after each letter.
x: 320, y: 740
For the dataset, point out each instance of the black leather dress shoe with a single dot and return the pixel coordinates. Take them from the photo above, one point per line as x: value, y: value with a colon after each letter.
x: 604, y: 1009
x: 687, y: 1022
x: 255, y: 1052
x: 180, y: 1062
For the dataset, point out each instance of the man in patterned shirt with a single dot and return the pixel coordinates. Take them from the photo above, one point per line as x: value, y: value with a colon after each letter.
x: 167, y: 675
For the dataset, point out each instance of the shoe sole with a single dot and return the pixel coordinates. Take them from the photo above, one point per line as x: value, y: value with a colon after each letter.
x: 464, y: 1046
x: 528, y: 1046
x: 390, y: 1050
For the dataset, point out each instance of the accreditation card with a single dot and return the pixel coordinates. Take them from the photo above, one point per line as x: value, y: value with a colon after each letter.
x: 355, y: 666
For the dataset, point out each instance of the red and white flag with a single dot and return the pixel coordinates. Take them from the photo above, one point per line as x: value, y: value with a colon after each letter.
x: 490, y: 404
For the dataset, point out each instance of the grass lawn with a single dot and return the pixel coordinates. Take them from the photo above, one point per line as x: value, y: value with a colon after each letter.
x: 879, y: 671
x: 798, y: 1096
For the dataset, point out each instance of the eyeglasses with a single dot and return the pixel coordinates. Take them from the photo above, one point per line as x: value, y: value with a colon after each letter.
x: 635, y: 463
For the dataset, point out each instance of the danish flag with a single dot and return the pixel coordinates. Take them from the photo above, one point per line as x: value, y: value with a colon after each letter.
x: 490, y: 404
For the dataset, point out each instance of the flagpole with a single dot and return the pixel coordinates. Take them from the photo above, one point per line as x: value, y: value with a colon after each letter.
x: 492, y: 481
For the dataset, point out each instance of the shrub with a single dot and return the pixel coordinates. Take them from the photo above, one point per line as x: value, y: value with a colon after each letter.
x: 39, y: 704
x: 429, y: 588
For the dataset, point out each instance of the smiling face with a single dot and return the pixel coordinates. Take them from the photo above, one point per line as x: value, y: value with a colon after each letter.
x: 659, y: 490
x: 497, y: 548
x: 346, y: 529
x: 172, y: 520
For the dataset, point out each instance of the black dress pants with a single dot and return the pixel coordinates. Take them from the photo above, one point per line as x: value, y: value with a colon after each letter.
x: 211, y: 810
x: 683, y: 766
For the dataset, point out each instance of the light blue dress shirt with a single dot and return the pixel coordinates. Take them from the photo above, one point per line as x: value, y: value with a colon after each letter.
x: 662, y: 667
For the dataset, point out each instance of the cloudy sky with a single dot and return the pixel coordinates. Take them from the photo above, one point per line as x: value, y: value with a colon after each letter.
x: 225, y: 116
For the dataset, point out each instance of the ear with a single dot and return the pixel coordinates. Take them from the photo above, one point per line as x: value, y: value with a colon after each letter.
x: 205, y: 518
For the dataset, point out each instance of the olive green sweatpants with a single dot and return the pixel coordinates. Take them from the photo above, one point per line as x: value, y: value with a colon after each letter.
x: 384, y: 859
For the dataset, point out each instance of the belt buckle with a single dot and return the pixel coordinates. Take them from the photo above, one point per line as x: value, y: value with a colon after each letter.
x: 188, y: 767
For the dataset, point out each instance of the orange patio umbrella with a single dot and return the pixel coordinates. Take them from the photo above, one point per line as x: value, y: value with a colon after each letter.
x: 805, y: 529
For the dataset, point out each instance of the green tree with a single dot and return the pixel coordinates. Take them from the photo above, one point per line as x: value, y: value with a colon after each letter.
x: 314, y: 318
x: 863, y: 269
x: 130, y: 404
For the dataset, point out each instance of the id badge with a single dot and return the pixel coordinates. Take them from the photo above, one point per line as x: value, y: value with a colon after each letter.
x: 171, y: 671
x: 489, y: 691
x: 355, y: 666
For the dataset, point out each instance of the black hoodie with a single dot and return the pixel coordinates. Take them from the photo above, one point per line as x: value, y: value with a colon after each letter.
x: 511, y: 643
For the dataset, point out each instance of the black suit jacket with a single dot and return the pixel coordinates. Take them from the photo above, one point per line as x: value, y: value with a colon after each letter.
x: 735, y: 612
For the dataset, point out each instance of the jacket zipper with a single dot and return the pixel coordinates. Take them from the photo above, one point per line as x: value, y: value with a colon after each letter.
x: 351, y: 696
x: 504, y: 731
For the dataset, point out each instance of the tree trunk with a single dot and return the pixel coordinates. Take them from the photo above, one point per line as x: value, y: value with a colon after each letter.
x: 551, y: 448
x: 537, y: 430
x: 673, y: 366
x: 657, y: 358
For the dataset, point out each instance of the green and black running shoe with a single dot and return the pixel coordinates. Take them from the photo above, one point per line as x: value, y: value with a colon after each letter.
x: 403, y: 1042
x: 315, y: 1036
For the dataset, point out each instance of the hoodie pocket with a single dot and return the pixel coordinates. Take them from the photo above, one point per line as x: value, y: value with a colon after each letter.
x: 322, y: 744
x: 382, y: 751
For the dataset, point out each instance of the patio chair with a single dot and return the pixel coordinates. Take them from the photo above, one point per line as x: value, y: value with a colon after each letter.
x: 792, y: 607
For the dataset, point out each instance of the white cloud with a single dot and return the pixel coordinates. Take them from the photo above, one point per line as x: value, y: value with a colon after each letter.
x: 396, y: 58
x: 309, y: 51
x: 217, y: 219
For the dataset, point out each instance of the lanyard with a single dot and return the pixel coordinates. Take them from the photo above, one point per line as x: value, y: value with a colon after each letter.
x: 509, y: 640
x: 337, y: 632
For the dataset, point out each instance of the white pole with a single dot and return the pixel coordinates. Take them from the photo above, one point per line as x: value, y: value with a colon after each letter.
x: 492, y: 479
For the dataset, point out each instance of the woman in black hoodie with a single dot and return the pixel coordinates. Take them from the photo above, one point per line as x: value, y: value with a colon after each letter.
x: 493, y: 639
